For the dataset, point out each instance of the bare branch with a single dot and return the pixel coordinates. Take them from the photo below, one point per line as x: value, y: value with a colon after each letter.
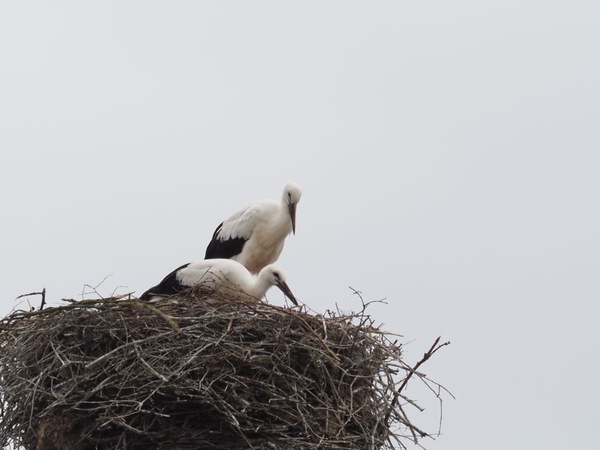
x: 198, y: 370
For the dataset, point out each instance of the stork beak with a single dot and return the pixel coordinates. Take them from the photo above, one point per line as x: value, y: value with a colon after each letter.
x: 287, y: 292
x: 292, y: 210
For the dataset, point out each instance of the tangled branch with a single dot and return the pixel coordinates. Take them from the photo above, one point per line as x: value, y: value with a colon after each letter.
x: 198, y: 371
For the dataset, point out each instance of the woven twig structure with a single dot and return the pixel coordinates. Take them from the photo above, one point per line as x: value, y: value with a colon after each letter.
x: 199, y: 372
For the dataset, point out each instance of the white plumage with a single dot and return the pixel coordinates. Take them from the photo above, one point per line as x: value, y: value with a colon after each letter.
x: 255, y: 235
x: 222, y: 275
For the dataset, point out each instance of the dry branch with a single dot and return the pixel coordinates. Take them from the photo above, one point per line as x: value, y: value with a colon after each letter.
x: 198, y: 372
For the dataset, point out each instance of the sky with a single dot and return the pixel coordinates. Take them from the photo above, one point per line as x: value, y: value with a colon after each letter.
x: 448, y: 154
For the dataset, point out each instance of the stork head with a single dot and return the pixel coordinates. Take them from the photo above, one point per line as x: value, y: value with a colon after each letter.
x: 291, y: 197
x: 275, y: 277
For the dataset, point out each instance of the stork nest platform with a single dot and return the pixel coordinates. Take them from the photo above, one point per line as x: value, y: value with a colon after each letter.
x: 198, y: 372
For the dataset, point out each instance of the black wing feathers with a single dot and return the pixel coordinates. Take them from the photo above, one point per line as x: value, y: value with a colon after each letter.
x: 219, y: 248
x: 168, y: 286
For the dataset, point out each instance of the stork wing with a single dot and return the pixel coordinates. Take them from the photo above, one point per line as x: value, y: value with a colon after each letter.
x: 168, y: 286
x: 231, y: 235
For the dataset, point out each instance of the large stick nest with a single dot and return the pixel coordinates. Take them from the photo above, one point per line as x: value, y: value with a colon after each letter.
x: 193, y: 372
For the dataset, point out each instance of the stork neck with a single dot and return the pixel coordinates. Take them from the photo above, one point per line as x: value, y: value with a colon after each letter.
x: 281, y: 226
x: 261, y: 286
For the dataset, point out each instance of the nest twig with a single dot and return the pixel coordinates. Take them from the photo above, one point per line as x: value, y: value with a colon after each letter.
x: 198, y: 372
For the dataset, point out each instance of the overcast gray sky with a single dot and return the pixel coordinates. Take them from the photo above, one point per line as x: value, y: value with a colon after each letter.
x: 448, y: 154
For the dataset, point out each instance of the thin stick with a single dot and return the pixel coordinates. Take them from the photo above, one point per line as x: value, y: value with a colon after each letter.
x: 42, y: 293
x: 428, y: 354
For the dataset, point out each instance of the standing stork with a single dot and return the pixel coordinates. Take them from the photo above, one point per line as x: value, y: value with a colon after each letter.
x: 224, y: 276
x: 255, y: 235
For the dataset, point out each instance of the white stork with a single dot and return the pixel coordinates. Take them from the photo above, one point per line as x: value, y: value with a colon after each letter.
x: 222, y: 275
x: 255, y: 235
